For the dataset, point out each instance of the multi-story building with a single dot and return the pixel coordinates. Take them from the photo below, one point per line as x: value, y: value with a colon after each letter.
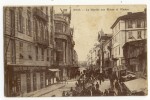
x: 27, y: 46
x: 64, y: 44
x: 126, y: 28
x: 103, y: 39
x: 108, y: 63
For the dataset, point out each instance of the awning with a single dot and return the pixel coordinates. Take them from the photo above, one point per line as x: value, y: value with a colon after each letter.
x: 54, y: 70
x: 137, y: 85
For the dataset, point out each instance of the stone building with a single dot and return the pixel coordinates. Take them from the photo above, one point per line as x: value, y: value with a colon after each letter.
x: 64, y: 48
x: 103, y: 40
x: 28, y: 42
x: 126, y: 28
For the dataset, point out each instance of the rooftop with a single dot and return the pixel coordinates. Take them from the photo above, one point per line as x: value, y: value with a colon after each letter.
x: 130, y: 15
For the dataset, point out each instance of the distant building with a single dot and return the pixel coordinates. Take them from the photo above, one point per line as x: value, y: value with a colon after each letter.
x: 103, y: 39
x: 108, y: 62
x: 127, y: 28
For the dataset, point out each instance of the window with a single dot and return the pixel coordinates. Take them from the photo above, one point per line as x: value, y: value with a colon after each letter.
x: 47, y: 54
x: 42, y: 52
x: 130, y: 24
x: 29, y: 24
x: 36, y: 53
x: 139, y: 35
x: 41, y: 80
x: 29, y: 51
x: 13, y: 57
x: 52, y: 57
x: 59, y: 56
x: 28, y: 78
x: 51, y: 36
x: 59, y: 44
x: 29, y: 48
x: 119, y: 50
x: 130, y: 35
x: 34, y: 82
x: 12, y: 22
x: 16, y: 83
x: 21, y: 50
x: 20, y: 46
x: 42, y: 31
x: 20, y: 20
x: 138, y: 23
x: 58, y: 27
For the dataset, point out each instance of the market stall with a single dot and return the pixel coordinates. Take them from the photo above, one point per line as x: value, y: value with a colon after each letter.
x: 136, y: 87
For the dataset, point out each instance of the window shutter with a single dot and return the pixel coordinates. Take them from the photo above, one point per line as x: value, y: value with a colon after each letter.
x: 18, y: 26
x: 27, y: 31
x: 23, y: 25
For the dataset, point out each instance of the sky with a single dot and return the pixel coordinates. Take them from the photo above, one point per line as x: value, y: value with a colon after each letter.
x: 87, y: 21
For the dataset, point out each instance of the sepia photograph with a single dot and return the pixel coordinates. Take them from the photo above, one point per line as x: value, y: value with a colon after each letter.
x: 75, y: 50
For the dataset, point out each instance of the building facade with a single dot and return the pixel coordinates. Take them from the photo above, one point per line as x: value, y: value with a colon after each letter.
x: 104, y: 52
x: 127, y: 28
x: 27, y: 46
x: 64, y: 49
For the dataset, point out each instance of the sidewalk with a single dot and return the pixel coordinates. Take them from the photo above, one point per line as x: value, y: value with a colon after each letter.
x: 44, y: 91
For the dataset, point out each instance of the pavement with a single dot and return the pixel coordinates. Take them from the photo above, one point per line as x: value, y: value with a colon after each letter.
x: 58, y: 92
x: 44, y: 91
x: 53, y: 90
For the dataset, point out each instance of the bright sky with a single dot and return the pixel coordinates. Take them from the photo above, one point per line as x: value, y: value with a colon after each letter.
x: 88, y: 23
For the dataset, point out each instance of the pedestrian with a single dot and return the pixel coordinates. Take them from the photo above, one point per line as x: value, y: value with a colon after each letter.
x: 71, y: 89
x: 57, y: 79
x: 97, y: 85
x: 100, y: 80
x: 93, y: 89
x: 66, y: 82
x: 112, y: 92
x: 67, y: 94
x: 63, y: 94
x: 105, y: 93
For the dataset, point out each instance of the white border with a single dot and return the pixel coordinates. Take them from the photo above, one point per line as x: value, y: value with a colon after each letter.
x: 68, y: 2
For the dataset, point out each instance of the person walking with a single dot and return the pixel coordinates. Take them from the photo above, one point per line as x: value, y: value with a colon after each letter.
x: 100, y: 79
x: 106, y: 93
x: 93, y: 89
x: 97, y: 85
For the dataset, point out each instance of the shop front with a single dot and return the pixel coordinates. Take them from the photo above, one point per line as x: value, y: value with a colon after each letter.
x: 25, y: 79
x: 53, y: 76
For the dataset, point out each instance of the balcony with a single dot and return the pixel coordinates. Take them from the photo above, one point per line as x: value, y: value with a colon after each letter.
x: 40, y: 14
x: 42, y: 42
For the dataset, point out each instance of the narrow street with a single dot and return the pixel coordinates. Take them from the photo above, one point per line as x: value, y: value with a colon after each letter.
x: 55, y: 51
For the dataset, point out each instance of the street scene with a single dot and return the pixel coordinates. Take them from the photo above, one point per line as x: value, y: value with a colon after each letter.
x: 75, y: 51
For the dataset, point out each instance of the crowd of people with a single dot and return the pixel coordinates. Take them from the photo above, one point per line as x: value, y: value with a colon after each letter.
x: 89, y: 84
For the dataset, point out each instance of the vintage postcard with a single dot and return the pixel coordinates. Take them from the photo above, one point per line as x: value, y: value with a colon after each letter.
x: 75, y: 51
